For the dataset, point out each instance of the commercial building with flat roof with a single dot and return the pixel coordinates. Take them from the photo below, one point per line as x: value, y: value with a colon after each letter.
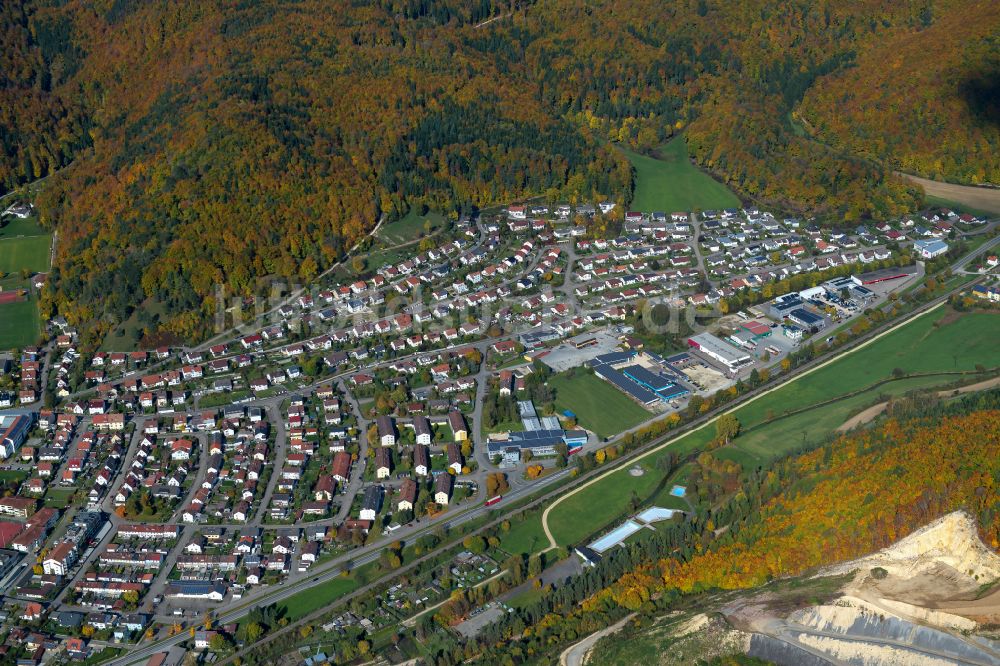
x: 650, y: 380
x: 716, y: 349
x: 756, y: 328
x: 638, y: 392
x: 781, y: 306
x: 807, y: 319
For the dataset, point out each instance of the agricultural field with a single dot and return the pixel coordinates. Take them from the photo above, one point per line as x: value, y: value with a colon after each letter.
x: 598, y: 405
x: 669, y: 182
x: 938, y: 342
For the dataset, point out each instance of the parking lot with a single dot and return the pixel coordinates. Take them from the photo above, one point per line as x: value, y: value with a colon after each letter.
x: 568, y: 355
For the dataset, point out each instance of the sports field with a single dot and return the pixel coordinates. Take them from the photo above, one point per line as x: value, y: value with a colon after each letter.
x: 941, y: 341
x: 23, y: 246
x: 19, y: 325
x: 30, y: 252
x: 598, y: 405
x: 669, y: 182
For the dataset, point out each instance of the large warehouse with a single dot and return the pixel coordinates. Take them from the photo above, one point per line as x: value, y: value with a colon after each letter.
x: 724, y: 353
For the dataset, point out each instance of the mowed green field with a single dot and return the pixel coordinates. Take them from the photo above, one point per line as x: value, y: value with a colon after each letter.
x: 670, y: 183
x: 31, y: 252
x: 608, y: 499
x: 23, y: 245
x: 936, y: 342
x: 598, y: 405
x: 19, y: 325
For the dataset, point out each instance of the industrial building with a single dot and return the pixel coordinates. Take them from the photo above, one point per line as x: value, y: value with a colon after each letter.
x: 726, y: 354
x: 635, y: 380
x: 781, y: 306
x: 884, y: 275
x: 806, y: 319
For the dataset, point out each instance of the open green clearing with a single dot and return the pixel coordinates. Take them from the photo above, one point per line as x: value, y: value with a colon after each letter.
x: 15, y: 227
x: 410, y: 227
x: 941, y: 341
x: 525, y: 537
x: 13, y: 475
x: 598, y: 405
x: 670, y: 183
x: 526, y: 598
x: 301, y: 604
x: 127, y: 335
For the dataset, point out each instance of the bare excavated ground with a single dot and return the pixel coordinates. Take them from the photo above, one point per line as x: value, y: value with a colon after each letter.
x: 930, y: 599
x: 936, y: 576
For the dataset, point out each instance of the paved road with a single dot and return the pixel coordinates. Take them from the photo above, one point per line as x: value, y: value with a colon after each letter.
x: 280, y: 451
x: 356, y: 483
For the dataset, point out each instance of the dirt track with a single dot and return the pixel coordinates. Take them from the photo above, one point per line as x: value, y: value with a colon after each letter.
x: 981, y: 198
x: 867, y: 415
x: 576, y: 654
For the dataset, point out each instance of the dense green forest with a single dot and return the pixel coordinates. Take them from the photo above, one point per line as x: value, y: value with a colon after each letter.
x: 196, y: 144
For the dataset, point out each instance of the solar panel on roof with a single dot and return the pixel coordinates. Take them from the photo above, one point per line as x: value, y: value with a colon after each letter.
x: 618, y: 379
x: 805, y: 316
x: 645, y: 377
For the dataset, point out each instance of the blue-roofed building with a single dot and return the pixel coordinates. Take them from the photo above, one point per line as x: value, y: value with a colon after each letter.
x: 650, y: 380
x: 806, y: 319
x: 640, y: 393
x: 575, y: 439
x: 928, y: 249
x: 613, y: 358
x: 781, y: 306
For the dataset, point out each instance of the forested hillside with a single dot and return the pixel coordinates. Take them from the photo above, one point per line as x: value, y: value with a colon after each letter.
x: 218, y: 143
x: 40, y: 128
x: 851, y: 497
x: 892, y: 106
